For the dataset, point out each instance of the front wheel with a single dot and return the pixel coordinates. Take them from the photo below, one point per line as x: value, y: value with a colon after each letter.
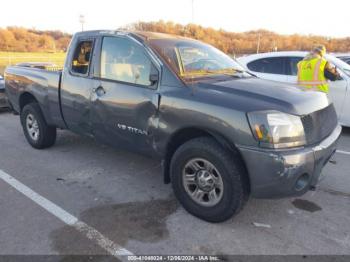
x: 37, y: 132
x: 208, y: 180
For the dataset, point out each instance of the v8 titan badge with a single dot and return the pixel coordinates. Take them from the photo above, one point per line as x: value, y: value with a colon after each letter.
x: 133, y: 130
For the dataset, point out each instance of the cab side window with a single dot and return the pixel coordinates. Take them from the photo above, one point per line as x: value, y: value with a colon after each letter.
x: 125, y: 61
x: 82, y: 57
x: 272, y: 65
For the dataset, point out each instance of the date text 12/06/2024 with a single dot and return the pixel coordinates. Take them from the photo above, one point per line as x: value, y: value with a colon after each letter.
x: 173, y: 258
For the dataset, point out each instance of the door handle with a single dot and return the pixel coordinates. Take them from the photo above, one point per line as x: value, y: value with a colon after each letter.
x: 100, y: 91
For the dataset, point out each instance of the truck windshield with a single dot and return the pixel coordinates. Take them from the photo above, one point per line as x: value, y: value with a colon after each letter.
x: 195, y: 59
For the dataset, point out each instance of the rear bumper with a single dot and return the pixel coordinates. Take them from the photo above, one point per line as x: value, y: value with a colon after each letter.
x: 285, y: 173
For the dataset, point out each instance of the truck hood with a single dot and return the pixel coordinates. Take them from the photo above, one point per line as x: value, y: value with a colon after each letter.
x: 253, y: 94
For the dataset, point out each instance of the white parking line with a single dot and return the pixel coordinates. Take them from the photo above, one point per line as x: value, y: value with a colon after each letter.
x: 343, y: 152
x: 88, y: 231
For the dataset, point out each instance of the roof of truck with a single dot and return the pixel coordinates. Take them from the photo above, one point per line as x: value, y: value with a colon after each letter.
x: 154, y: 35
x: 144, y: 35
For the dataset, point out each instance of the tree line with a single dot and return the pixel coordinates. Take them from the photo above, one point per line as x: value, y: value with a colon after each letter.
x: 18, y: 39
x: 247, y: 42
x: 30, y: 40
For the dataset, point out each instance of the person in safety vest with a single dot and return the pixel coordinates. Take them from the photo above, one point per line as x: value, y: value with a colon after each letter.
x: 314, y: 70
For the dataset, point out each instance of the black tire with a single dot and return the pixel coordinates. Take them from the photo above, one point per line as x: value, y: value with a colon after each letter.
x: 47, y: 134
x: 232, y: 172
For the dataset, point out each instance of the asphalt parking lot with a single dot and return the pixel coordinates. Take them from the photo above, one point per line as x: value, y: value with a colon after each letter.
x: 122, y: 196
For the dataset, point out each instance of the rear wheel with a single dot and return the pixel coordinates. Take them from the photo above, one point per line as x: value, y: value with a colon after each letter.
x: 208, y: 180
x: 37, y: 132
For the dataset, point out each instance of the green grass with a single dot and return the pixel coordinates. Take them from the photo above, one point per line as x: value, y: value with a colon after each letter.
x: 12, y: 58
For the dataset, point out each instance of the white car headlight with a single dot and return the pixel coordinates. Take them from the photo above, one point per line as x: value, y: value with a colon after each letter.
x: 275, y: 129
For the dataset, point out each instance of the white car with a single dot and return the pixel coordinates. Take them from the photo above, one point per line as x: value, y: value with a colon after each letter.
x: 282, y: 67
x: 344, y: 57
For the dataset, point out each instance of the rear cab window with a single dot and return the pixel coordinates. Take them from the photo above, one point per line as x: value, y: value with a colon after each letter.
x: 81, y: 59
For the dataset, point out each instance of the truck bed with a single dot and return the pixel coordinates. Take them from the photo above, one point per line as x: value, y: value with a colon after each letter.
x: 24, y: 82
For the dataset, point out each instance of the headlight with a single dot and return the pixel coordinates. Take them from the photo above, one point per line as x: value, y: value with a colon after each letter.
x: 275, y: 129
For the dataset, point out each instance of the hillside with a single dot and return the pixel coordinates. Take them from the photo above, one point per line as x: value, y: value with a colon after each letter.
x: 29, y: 40
x: 247, y: 42
x: 20, y: 39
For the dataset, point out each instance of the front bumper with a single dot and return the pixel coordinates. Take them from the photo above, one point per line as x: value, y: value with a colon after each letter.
x: 289, y: 172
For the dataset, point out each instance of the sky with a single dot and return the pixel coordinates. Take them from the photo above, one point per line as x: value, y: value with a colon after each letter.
x: 317, y: 17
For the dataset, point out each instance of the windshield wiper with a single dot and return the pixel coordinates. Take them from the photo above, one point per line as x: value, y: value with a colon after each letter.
x: 207, y: 72
x: 211, y: 72
x: 233, y: 72
x: 241, y: 71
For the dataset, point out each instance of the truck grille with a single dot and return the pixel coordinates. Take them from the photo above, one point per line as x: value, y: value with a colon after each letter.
x: 320, y: 124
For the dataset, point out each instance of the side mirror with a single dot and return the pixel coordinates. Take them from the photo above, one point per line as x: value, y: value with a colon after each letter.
x: 153, y: 78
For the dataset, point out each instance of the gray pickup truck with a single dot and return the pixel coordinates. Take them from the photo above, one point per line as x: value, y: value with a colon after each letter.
x: 221, y: 134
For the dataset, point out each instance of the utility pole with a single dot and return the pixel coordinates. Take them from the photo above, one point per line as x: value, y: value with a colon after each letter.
x: 258, y: 45
x: 82, y: 21
x: 329, y: 42
x: 274, y: 46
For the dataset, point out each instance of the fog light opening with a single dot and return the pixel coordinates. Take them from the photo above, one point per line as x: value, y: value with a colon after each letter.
x: 302, y: 182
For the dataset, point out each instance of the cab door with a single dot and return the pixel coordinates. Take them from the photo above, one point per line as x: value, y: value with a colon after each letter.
x: 77, y: 85
x: 125, y: 99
